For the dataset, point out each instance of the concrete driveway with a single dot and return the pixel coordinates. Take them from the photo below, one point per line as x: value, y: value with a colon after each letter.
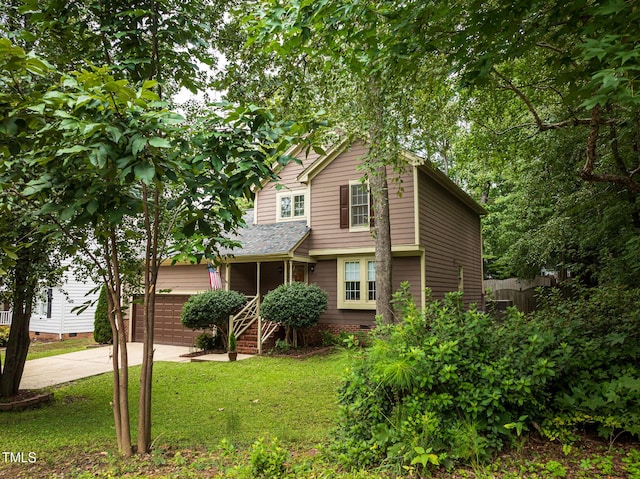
x: 43, y: 372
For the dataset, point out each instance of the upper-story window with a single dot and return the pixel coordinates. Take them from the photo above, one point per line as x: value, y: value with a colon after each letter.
x: 359, y: 205
x: 355, y: 206
x: 291, y: 205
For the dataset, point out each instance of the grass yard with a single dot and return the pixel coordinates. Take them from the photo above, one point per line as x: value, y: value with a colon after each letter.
x: 43, y: 349
x: 39, y: 349
x: 209, y: 417
x: 195, y: 405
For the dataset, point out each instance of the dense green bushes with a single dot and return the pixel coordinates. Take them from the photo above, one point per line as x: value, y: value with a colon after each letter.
x: 449, y: 384
x: 211, y: 308
x: 296, y: 305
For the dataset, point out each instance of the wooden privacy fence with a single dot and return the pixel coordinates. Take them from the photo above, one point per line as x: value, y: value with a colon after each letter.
x: 520, y: 292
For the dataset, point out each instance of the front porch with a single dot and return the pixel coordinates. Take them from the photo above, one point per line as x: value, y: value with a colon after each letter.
x: 255, y: 279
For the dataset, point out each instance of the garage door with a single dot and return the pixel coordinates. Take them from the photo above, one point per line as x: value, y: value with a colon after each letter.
x: 168, y: 328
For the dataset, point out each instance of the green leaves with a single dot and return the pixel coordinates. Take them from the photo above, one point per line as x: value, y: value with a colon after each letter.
x: 145, y: 172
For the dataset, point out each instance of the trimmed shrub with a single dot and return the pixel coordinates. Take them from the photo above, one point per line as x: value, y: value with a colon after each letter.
x: 211, y: 308
x: 102, y: 333
x: 205, y: 341
x: 452, y: 385
x: 296, y: 305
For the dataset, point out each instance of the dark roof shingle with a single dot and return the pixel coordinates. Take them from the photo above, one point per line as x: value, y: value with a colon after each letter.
x: 267, y: 239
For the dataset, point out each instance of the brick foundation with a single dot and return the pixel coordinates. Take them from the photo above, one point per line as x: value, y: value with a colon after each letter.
x: 38, y: 336
x: 315, y: 335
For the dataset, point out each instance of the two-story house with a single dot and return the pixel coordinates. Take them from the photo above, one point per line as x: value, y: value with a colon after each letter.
x: 314, y: 225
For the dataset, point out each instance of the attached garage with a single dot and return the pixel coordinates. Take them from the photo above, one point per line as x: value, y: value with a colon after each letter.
x: 168, y: 328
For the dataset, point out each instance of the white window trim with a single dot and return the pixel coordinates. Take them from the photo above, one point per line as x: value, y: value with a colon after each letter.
x: 363, y: 302
x: 292, y: 194
x: 366, y: 227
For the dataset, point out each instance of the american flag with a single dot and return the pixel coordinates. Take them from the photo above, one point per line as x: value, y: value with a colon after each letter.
x: 215, y: 281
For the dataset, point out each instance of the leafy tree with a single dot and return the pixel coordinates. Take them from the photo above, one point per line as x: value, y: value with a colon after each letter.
x: 131, y: 139
x: 296, y: 305
x: 134, y: 163
x: 368, y: 83
x: 29, y: 256
x: 102, y: 333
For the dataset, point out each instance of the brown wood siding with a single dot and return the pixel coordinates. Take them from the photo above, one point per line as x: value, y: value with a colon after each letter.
x: 168, y: 328
x: 407, y: 268
x: 450, y: 233
x: 271, y: 276
x: 266, y: 197
x: 325, y: 204
x: 326, y: 277
x: 303, y: 249
x: 185, y: 278
x: 243, y: 278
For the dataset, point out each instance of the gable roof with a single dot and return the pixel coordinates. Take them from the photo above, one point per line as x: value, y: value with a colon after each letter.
x: 414, y: 160
x: 321, y: 162
x: 267, y: 239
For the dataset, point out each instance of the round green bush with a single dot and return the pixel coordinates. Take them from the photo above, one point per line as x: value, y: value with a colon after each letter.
x: 296, y: 305
x: 211, y: 308
x: 102, y: 333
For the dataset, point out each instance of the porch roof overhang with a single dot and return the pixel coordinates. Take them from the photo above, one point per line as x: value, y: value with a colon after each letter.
x: 267, y: 242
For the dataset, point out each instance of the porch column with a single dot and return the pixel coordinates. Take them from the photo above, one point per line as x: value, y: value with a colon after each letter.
x: 258, y: 279
x: 258, y: 307
x: 290, y: 271
x: 227, y: 276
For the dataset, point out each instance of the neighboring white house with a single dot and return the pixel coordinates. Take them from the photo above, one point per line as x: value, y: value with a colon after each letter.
x: 54, y: 314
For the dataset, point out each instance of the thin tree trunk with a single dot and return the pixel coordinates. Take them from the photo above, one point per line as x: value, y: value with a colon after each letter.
x: 380, y: 191
x: 150, y: 278
x: 115, y: 364
x: 121, y: 370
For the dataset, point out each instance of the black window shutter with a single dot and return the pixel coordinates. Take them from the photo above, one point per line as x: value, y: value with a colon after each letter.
x: 344, y: 206
x: 49, y: 301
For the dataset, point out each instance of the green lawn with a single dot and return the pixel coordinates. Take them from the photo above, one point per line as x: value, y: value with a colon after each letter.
x: 209, y: 415
x: 194, y: 405
x: 53, y: 348
x: 39, y: 349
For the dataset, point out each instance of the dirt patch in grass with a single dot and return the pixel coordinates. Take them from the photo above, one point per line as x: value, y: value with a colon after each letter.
x: 25, y: 399
x: 301, y: 353
x: 589, y: 458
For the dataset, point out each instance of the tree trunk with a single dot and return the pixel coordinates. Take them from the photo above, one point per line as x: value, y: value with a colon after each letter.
x: 18, y: 344
x: 152, y: 225
x: 377, y: 172
x: 382, y: 231
x: 120, y: 357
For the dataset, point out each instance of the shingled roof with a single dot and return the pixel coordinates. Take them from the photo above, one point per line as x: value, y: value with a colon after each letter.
x: 267, y: 239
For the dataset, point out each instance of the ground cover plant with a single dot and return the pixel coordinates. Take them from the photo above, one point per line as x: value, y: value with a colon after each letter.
x: 449, y: 385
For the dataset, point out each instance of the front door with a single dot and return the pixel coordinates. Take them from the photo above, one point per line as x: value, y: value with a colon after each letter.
x: 300, y: 273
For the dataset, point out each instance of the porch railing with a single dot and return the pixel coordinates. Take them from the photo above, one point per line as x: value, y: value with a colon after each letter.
x: 246, y: 317
x: 249, y: 315
x: 5, y: 318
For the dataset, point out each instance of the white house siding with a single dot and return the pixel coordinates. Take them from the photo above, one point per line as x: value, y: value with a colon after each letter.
x: 69, y: 295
